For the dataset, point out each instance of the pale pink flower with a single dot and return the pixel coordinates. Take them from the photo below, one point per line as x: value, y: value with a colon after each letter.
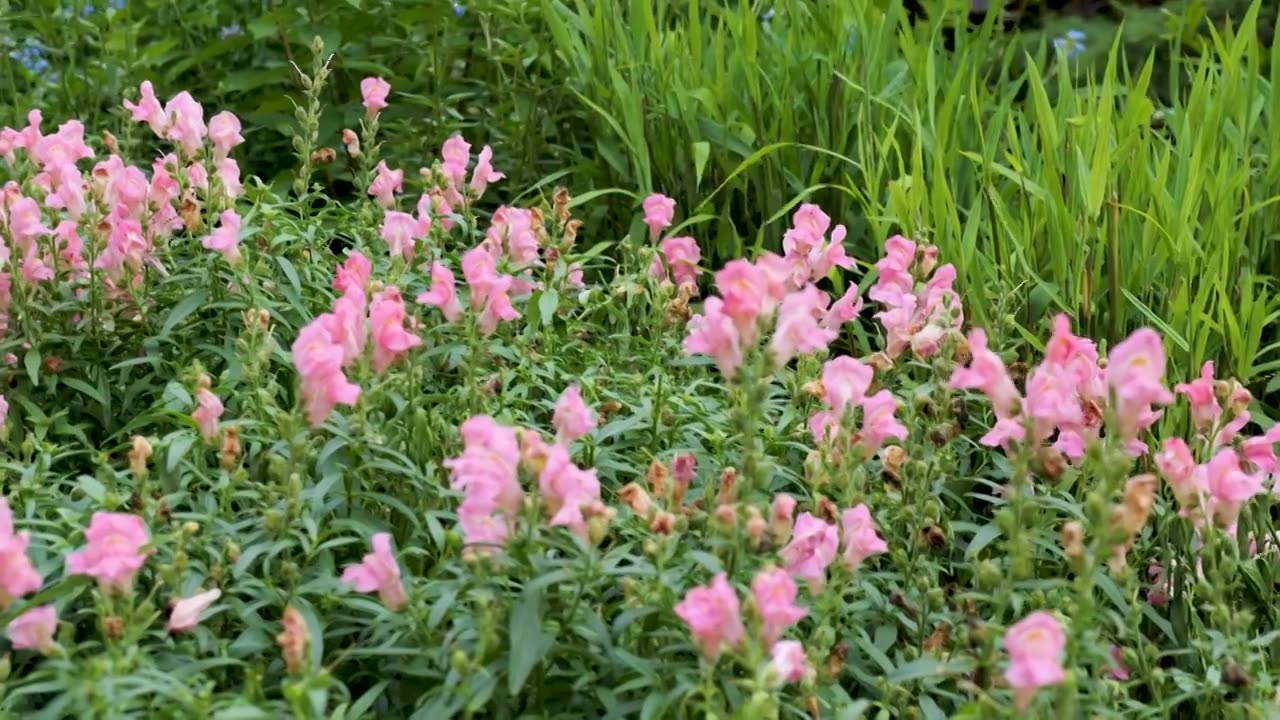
x: 198, y: 176
x: 1179, y: 470
x: 789, y: 663
x: 861, y: 540
x: 1260, y: 451
x: 798, y: 331
x: 487, y: 474
x: 658, y: 213
x: 186, y: 611
x: 1135, y: 372
x: 483, y: 173
x: 745, y: 292
x: 567, y: 490
x: 319, y: 360
x: 987, y: 374
x: 1118, y: 670
x: 399, y: 230
x: 714, y: 333
x: 149, y: 110
x: 379, y: 571
x: 386, y: 183
x: 845, y: 382
x: 844, y: 310
x: 114, y: 551
x: 512, y: 229
x: 228, y: 172
x: 894, y: 278
x: 455, y: 155
x: 781, y: 513
x: 443, y: 293
x: 1229, y: 486
x: 1205, y: 409
x: 226, y: 238
x: 34, y: 630
x: 814, y: 544
x: 386, y: 324
x: 713, y: 615
x: 17, y: 575
x: 373, y: 93
x: 224, y: 133
x: 1035, y: 645
x: 775, y: 597
x: 682, y: 257
x: 353, y: 274
x: 187, y: 126
x: 572, y: 418
x: 879, y: 423
x: 208, y: 410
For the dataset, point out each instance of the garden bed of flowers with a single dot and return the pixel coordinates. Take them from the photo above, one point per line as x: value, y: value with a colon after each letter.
x: 477, y: 461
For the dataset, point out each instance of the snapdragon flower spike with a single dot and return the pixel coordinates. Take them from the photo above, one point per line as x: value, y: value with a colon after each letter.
x: 807, y: 250
x: 714, y: 616
x: 391, y: 340
x: 443, y: 293
x: 226, y: 239
x: 572, y: 418
x: 1035, y: 645
x: 775, y: 594
x: 489, y: 289
x: 17, y: 575
x: 1201, y: 394
x: 486, y: 473
x: 788, y: 663
x: 208, y: 411
x: 114, y: 551
x: 319, y: 360
x: 913, y: 318
x: 814, y: 545
x: 400, y: 231
x: 378, y: 571
x: 570, y: 493
x: 861, y: 540
x: 386, y: 183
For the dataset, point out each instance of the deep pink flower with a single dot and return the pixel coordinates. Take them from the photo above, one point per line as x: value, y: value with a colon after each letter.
x: 1035, y: 645
x: 443, y: 293
x: 572, y: 418
x: 483, y: 173
x: 1205, y: 409
x: 455, y: 155
x: 34, y: 630
x: 775, y: 597
x: 208, y: 410
x: 744, y: 289
x: 386, y: 183
x: 186, y: 611
x: 114, y: 551
x: 226, y: 238
x: 1118, y: 670
x: 714, y: 333
x: 789, y: 663
x: 814, y: 544
x: 386, y: 324
x: 861, y: 540
x: 17, y: 575
x: 713, y: 615
x: 658, y: 213
x: 379, y: 571
x: 224, y: 133
x: 1135, y: 372
x: 373, y: 93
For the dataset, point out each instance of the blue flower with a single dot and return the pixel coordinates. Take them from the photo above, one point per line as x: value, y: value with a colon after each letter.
x: 117, y: 4
x: 458, y: 9
x: 1072, y: 44
x: 228, y: 31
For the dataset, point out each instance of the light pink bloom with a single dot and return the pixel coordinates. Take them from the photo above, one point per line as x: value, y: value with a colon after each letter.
x: 353, y: 274
x: 713, y: 615
x: 114, y: 551
x: 682, y: 257
x: 1205, y: 409
x: 658, y: 213
x: 386, y: 183
x: 861, y: 540
x: 319, y: 360
x: 894, y: 271
x: 208, y: 410
x: 186, y: 612
x: 1135, y: 372
x: 1229, y: 486
x: 149, y: 110
x: 228, y: 172
x: 879, y: 423
x: 814, y: 544
x: 187, y: 126
x: 1179, y: 470
x: 443, y: 293
x: 399, y: 229
x: 224, y: 133
x: 373, y: 92
x: 34, y: 630
x: 198, y: 176
x: 775, y: 596
x: 379, y: 571
x: 714, y: 333
x: 512, y: 229
x: 789, y: 663
x: 386, y: 324
x: 683, y: 468
x: 572, y: 418
x: 226, y: 238
x: 454, y: 157
x: 845, y: 382
x: 1035, y: 645
x: 487, y: 474
x: 987, y: 374
x: 567, y: 490
x: 483, y: 173
x: 844, y: 310
x: 745, y: 290
x: 798, y: 331
x: 17, y: 575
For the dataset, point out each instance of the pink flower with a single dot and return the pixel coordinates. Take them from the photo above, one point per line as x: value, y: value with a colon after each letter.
x: 572, y: 418
x: 714, y: 333
x: 149, y: 110
x: 1229, y: 486
x: 894, y: 271
x: 861, y: 540
x: 379, y: 571
x: 208, y: 410
x: 319, y: 360
x: 798, y: 331
x: 1135, y: 372
x: 1118, y: 670
x: 34, y: 630
x: 17, y: 575
x: 229, y: 175
x: 879, y: 423
x: 658, y: 212
x: 513, y: 229
x: 114, y: 552
x: 386, y: 183
x: 454, y: 157
x: 987, y: 374
x: 386, y: 324
x: 187, y: 118
x: 682, y: 257
x: 353, y: 274
x: 374, y: 91
x: 483, y: 174
x: 844, y: 310
x: 487, y: 474
x: 775, y: 597
x: 399, y: 229
x: 845, y: 382
x: 488, y: 289
x: 745, y: 289
x: 683, y: 468
x: 813, y: 546
x: 186, y: 612
x: 567, y: 490
x: 224, y: 132
x: 789, y: 663
x: 226, y: 238
x: 1205, y: 409
x: 713, y: 615
x: 1179, y: 470
x: 443, y: 293
x: 1035, y: 645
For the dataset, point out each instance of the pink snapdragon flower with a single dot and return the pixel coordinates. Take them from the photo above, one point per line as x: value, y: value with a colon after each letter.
x: 713, y: 615
x: 568, y: 491
x: 682, y: 257
x: 1035, y: 645
x: 114, y: 552
x: 443, y: 293
x: 489, y: 290
x: 34, y: 630
x: 391, y: 339
x: 224, y: 133
x: 789, y: 664
x: 17, y: 575
x: 844, y: 310
x: 226, y: 238
x: 745, y: 292
x: 148, y: 109
x: 187, y: 127
x: 1135, y: 373
x: 987, y: 374
x: 386, y: 183
x: 861, y: 540
x: 814, y: 544
x: 353, y: 274
x: 187, y: 611
x: 379, y: 571
x: 1179, y: 470
x: 373, y: 94
x: 775, y: 597
x: 658, y: 213
x: 208, y: 410
x: 1205, y: 409
x: 483, y: 173
x: 1229, y: 487
x: 486, y: 473
x: 879, y: 422
x: 228, y: 172
x: 399, y: 231
x: 1118, y: 670
x: 455, y: 155
x: 572, y: 418
x: 319, y: 361
x: 798, y: 331
x: 513, y: 231
x: 713, y: 332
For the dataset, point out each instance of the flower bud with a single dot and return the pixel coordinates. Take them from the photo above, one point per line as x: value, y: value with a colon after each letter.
x: 727, y: 515
x: 138, y: 456
x: 663, y: 523
x: 657, y: 479
x: 728, y: 486
x: 293, y: 640
x: 781, y: 515
x: 637, y: 499
x: 352, y: 141
x: 757, y: 528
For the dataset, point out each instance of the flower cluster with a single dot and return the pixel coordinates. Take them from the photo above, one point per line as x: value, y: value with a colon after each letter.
x: 914, y: 315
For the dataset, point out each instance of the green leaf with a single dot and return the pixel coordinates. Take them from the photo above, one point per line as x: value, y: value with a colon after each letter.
x: 547, y: 305
x: 984, y: 537
x: 701, y: 151
x: 32, y: 363
x: 527, y: 638
x: 182, y: 310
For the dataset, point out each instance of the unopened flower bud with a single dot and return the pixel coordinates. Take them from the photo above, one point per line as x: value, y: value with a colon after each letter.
x: 657, y: 479
x: 727, y: 515
x: 190, y: 527
x: 109, y: 141
x: 663, y: 523
x: 637, y: 499
x: 892, y: 458
x: 757, y: 527
x: 138, y: 456
x: 113, y: 627
x: 728, y: 486
x: 781, y: 514
x: 230, y: 448
x: 293, y: 640
x: 1073, y: 540
x: 352, y: 141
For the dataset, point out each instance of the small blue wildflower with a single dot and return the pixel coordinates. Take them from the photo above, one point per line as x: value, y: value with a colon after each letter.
x: 458, y: 9
x: 86, y: 11
x: 117, y: 4
x: 767, y: 16
x: 1072, y: 44
x: 229, y: 31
